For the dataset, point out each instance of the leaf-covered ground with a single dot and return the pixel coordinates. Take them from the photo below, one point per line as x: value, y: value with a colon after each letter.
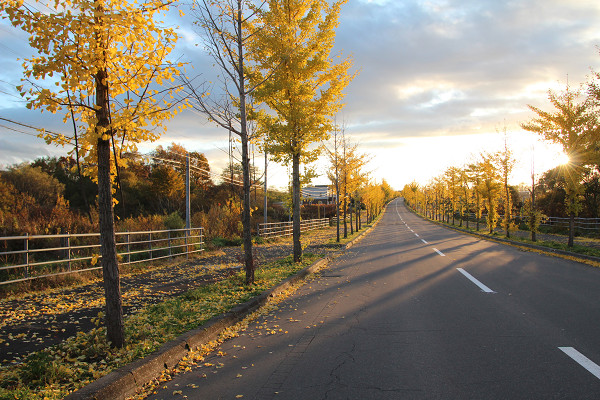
x: 35, y: 321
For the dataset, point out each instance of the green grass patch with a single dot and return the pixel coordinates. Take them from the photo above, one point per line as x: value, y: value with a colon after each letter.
x: 577, y: 248
x: 226, y: 242
x: 55, y: 372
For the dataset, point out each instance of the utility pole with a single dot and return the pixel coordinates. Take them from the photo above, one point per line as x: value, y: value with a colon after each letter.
x: 187, y: 192
x: 265, y: 210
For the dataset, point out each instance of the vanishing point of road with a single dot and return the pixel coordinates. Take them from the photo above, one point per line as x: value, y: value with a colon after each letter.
x: 418, y: 311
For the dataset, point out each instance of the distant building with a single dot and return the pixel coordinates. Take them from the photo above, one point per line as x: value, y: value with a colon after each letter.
x: 318, y: 194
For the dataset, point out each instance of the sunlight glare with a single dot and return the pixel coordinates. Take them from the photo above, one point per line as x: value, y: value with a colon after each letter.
x: 562, y: 159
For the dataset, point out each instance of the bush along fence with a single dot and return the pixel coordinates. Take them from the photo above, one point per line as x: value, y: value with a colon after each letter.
x: 280, y: 229
x: 31, y: 257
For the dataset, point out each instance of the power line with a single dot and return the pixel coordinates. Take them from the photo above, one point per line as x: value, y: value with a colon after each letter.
x: 18, y: 130
x: 12, y: 95
x: 214, y: 174
x: 51, y: 133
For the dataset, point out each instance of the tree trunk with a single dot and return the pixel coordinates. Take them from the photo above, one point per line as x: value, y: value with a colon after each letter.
x: 337, y: 209
x: 296, y: 207
x: 108, y: 249
x: 110, y: 267
x: 246, y: 227
x: 507, y: 207
x: 477, y: 214
x: 345, y: 222
x: 533, y: 213
x: 571, y: 229
x: 351, y: 221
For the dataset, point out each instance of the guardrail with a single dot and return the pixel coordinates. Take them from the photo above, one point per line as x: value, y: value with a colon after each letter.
x: 30, y: 257
x: 280, y: 229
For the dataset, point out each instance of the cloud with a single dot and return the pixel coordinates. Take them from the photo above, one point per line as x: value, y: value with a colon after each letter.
x: 430, y: 71
x: 455, y: 57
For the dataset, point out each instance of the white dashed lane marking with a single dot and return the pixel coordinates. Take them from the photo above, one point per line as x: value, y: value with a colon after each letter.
x: 475, y: 281
x: 582, y: 360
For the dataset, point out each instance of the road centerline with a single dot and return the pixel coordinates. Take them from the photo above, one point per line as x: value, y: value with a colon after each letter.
x: 470, y: 277
x: 439, y: 252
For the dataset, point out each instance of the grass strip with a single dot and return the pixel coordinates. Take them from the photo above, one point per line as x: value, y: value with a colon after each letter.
x: 54, y: 372
x: 577, y: 249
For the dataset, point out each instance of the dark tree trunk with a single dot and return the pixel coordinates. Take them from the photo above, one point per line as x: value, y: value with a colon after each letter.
x: 337, y: 209
x: 345, y: 222
x: 351, y: 221
x: 246, y: 222
x: 533, y: 213
x: 571, y: 229
x: 296, y: 207
x: 110, y: 268
x: 108, y: 250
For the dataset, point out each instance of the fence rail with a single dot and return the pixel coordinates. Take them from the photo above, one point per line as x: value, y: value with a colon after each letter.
x: 587, y: 225
x: 30, y: 257
x: 279, y: 229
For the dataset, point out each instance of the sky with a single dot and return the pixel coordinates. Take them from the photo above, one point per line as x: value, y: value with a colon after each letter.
x: 439, y: 81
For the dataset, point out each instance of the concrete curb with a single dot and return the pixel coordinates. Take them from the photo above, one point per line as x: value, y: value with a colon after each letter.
x: 361, y: 236
x: 125, y: 381
x: 551, y: 251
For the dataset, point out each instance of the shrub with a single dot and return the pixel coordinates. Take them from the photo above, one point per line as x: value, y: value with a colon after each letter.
x: 174, y: 221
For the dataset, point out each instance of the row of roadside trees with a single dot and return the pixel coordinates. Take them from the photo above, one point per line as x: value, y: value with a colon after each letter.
x: 105, y: 65
x: 481, y: 186
x: 353, y: 188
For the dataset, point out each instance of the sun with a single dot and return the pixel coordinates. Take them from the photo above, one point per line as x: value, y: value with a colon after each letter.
x: 562, y: 159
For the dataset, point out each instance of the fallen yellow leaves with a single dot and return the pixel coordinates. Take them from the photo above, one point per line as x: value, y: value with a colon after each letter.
x: 85, y: 357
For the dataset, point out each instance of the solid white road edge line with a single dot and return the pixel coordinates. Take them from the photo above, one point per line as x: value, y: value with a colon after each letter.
x: 439, y: 252
x: 475, y: 281
x: 582, y: 360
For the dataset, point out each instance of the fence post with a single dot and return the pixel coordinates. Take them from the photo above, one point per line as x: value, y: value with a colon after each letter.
x: 187, y: 249
x: 169, y: 236
x: 69, y: 250
x: 150, y: 244
x: 128, y: 247
x: 26, y: 255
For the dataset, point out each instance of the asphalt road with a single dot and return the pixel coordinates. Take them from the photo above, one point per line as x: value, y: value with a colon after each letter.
x: 417, y: 311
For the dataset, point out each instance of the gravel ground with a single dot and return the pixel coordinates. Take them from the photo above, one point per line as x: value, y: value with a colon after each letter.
x: 39, y: 320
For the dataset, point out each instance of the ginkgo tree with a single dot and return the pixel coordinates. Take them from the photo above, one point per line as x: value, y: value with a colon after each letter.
x: 304, y: 90
x: 227, y: 27
x: 102, y: 63
x: 575, y: 126
x: 505, y: 162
